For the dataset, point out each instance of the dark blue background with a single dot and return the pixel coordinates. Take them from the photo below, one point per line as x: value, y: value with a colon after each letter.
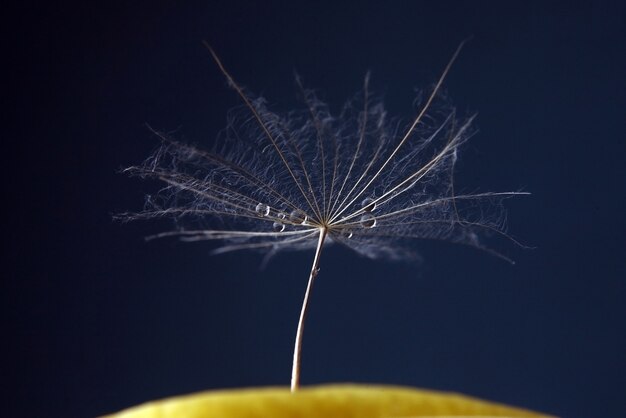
x: 96, y: 320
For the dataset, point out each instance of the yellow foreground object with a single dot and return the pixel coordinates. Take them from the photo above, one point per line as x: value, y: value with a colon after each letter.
x: 328, y: 401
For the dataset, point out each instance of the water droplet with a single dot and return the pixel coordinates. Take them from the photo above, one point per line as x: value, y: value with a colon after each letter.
x: 262, y: 209
x: 368, y: 221
x: 278, y: 227
x: 346, y: 233
x: 298, y: 217
x: 281, y: 215
x: 369, y: 204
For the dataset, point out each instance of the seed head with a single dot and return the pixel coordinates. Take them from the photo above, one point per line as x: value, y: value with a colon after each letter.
x: 273, y: 180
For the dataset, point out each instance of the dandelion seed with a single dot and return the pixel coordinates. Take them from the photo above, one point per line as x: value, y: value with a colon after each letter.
x: 350, y: 177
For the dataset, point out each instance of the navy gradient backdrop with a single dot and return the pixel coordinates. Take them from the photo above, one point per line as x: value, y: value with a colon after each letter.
x: 96, y: 320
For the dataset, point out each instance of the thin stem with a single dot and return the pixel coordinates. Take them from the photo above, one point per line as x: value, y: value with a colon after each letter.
x: 295, y: 371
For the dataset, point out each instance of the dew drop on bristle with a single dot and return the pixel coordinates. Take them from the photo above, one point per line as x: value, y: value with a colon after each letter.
x: 278, y: 227
x: 347, y: 234
x: 262, y: 209
x: 281, y: 215
x: 368, y: 204
x: 368, y: 221
x: 298, y: 217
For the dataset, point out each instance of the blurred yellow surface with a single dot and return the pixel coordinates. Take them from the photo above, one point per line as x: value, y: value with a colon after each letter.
x: 327, y: 401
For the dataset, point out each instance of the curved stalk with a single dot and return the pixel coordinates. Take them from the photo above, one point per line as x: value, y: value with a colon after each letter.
x: 295, y: 370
